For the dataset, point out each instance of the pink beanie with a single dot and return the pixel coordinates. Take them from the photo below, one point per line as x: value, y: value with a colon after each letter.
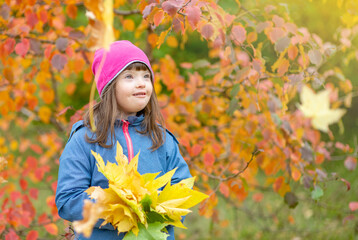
x: 120, y: 55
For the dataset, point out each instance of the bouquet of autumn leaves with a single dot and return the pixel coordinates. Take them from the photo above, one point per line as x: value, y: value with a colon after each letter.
x: 132, y: 203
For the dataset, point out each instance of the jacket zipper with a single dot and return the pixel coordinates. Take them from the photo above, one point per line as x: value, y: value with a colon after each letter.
x: 128, y: 139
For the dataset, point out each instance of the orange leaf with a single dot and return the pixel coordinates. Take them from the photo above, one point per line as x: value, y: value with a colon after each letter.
x: 87, y: 75
x: 128, y: 25
x: 283, y: 67
x: 47, y: 96
x: 162, y: 38
x: 152, y: 39
x: 8, y: 74
x: 71, y: 11
x: 51, y: 228
x: 292, y: 52
x: 172, y: 42
x: 70, y: 88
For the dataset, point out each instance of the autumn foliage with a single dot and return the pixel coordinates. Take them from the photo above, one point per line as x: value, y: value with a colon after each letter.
x: 251, y: 105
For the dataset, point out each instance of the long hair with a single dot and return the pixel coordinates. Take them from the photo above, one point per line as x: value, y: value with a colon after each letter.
x: 106, y: 111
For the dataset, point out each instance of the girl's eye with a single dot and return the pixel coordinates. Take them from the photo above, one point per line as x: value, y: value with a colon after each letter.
x: 129, y: 76
x: 147, y: 76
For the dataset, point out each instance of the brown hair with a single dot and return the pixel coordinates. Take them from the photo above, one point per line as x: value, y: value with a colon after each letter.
x: 105, y: 114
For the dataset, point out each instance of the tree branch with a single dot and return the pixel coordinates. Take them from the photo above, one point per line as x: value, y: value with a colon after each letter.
x: 126, y: 13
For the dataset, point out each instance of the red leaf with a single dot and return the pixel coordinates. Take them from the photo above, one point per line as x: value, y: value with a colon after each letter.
x: 43, y: 218
x: 224, y: 189
x: 9, y: 45
x: 348, y: 184
x: 196, y: 150
x: 43, y: 16
x: 209, y: 159
x: 31, y: 18
x: 32, y: 235
x: 33, y: 192
x: 59, y: 61
x: 63, y: 111
x: 11, y: 235
x: 23, y: 184
x: 22, y: 47
x: 48, y: 51
x: 239, y: 34
x: 353, y: 206
x: 51, y: 228
x: 36, y: 148
x: 54, y: 186
x: 172, y: 6
x: 31, y: 162
x: 14, y: 196
x: 207, y: 31
x: 350, y: 163
x: 193, y: 14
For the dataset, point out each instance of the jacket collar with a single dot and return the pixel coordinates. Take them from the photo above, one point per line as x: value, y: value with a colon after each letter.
x: 133, y: 120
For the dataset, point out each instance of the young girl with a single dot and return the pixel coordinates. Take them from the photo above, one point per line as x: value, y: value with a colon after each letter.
x: 128, y: 112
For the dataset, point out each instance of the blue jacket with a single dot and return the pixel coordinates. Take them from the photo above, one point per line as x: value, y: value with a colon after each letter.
x: 78, y: 170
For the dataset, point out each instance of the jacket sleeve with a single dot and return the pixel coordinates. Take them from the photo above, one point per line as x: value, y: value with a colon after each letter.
x: 74, y: 177
x: 175, y: 160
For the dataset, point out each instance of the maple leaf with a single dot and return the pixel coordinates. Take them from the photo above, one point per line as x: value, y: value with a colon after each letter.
x: 91, y: 213
x: 316, y: 107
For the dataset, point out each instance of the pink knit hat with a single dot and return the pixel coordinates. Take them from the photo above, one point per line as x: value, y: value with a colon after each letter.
x: 120, y: 55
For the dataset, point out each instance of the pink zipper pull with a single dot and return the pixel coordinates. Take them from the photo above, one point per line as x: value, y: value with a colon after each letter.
x: 128, y: 140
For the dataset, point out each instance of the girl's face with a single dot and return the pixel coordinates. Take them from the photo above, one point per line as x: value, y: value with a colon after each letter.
x: 133, y: 91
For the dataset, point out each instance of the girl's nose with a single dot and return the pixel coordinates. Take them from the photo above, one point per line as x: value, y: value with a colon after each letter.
x: 140, y: 83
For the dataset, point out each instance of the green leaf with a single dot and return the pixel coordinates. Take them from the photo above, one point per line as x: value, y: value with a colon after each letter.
x: 153, y: 217
x: 234, y: 104
x: 146, y: 202
x: 153, y: 232
x: 317, y: 193
x: 201, y: 63
x: 235, y: 90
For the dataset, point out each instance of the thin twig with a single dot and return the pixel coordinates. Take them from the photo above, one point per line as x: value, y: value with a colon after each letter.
x: 126, y: 13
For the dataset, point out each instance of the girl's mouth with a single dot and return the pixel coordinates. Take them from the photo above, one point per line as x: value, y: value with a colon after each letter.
x: 140, y: 94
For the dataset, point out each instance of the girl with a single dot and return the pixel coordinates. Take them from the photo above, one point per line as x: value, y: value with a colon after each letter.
x: 127, y: 112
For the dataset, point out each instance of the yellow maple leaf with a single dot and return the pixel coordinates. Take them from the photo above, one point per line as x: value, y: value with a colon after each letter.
x: 316, y: 107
